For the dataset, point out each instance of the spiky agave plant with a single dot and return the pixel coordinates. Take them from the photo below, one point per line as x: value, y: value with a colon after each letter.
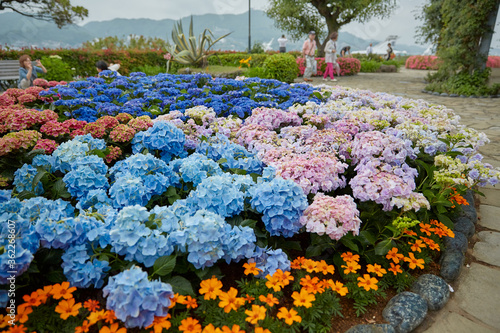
x: 189, y: 51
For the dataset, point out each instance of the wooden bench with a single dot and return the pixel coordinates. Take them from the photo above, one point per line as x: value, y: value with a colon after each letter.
x: 9, y: 74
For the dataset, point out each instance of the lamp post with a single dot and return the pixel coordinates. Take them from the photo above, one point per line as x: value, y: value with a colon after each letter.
x: 249, y: 27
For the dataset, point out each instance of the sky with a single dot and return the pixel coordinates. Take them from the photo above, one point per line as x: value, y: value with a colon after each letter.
x: 402, y: 22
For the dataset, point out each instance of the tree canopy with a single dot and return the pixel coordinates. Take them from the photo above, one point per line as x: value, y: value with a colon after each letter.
x: 61, y: 12
x: 298, y: 17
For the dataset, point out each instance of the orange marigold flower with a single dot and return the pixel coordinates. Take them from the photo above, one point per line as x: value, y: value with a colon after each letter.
x: 210, y: 288
x: 91, y: 305
x: 303, y: 298
x: 395, y: 269
x: 440, y: 232
x: 351, y: 267
x: 250, y: 268
x: 23, y: 312
x: 269, y: 299
x: 160, y: 323
x: 190, y: 325
x: 44, y: 293
x: 414, y: 262
x: 17, y: 329
x: 109, y: 316
x: 33, y: 299
x: 257, y: 313
x: 191, y: 302
x: 273, y: 282
x: 62, y: 290
x: 367, y: 282
x: 348, y: 256
x: 434, y: 246
x: 297, y: 263
x: 410, y: 232
x: 261, y: 330
x: 283, y: 277
x: 426, y: 228
x: 290, y: 316
x: 312, y: 285
x: 210, y: 328
x: 416, y: 247
x: 177, y: 299
x: 113, y: 328
x: 323, y: 267
x: 67, y: 308
x: 248, y: 298
x: 377, y: 269
x: 229, y: 301
x: 394, y: 255
x: 309, y: 265
x: 234, y: 329
x: 84, y: 328
x: 96, y: 316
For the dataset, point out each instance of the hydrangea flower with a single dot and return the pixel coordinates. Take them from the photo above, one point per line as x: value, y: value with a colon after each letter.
x: 87, y: 173
x: 269, y: 261
x: 162, y: 137
x: 82, y: 272
x: 135, y: 300
x: 23, y: 180
x: 195, y: 168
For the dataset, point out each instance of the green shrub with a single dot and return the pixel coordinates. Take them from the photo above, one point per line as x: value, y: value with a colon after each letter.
x: 150, y: 70
x: 233, y: 59
x: 57, y: 69
x: 369, y: 66
x: 256, y: 72
x: 464, y: 84
x: 282, y: 67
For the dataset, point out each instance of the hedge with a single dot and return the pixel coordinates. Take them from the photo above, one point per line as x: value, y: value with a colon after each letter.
x: 432, y: 62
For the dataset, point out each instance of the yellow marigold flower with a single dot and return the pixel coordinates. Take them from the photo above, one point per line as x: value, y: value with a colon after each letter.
x: 351, y: 267
x: 190, y: 325
x: 211, y: 329
x: 340, y: 289
x: 309, y: 265
x: 160, y: 323
x: 250, y: 268
x: 297, y: 263
x: 257, y: 313
x: 261, y: 330
x: 290, y: 316
x: 269, y: 299
x: 283, y: 277
x: 273, y: 283
x: 210, y: 288
x: 414, y: 262
x: 416, y: 247
x: 377, y: 269
x: 229, y: 301
x: 395, y: 269
x: 303, y: 298
x: 348, y: 256
x: 96, y: 316
x: 367, y: 282
x: 234, y: 329
x: 323, y: 267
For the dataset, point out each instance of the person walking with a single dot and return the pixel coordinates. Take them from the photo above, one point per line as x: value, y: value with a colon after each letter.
x: 369, y: 49
x: 331, y: 57
x: 282, y: 43
x: 389, y: 52
x: 28, y: 71
x: 308, y: 51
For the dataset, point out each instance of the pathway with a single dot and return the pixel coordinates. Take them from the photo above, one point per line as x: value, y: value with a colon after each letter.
x: 475, y: 304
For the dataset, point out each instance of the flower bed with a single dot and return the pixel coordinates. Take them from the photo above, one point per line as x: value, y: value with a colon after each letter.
x: 259, y: 208
x: 348, y: 66
x: 432, y: 62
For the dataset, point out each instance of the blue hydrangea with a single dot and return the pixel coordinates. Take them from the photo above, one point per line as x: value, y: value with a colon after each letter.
x: 94, y: 199
x: 129, y: 190
x: 87, y: 173
x: 136, y: 300
x: 4, y: 298
x: 80, y: 271
x: 196, y: 168
x: 269, y: 261
x: 239, y: 243
x: 162, y: 137
x: 100, y: 234
x: 23, y: 180
x: 67, y: 152
x: 131, y: 237
x: 5, y: 195
x: 92, y: 142
x: 282, y: 203
x: 219, y: 195
x: 45, y: 161
x: 268, y: 174
x: 39, y: 208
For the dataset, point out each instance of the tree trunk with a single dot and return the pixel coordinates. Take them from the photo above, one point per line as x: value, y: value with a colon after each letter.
x: 485, y: 43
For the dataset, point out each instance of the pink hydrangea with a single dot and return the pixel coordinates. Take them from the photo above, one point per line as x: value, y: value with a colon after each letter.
x: 54, y: 129
x: 334, y: 216
x: 26, y: 98
x: 41, y: 83
x: 46, y: 144
x: 273, y: 118
x: 123, y: 117
x: 141, y: 123
x: 108, y: 122
x: 122, y: 133
x: 17, y: 140
x: 114, y: 153
x: 77, y: 132
x: 74, y: 124
x: 95, y: 129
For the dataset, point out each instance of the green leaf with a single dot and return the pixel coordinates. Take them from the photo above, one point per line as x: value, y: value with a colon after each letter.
x: 350, y: 244
x: 38, y: 177
x: 445, y: 220
x: 384, y: 246
x: 26, y: 195
x: 291, y: 245
x: 367, y: 237
x: 222, y: 160
x: 238, y: 171
x: 313, y: 251
x: 248, y: 223
x: 208, y: 272
x: 171, y: 191
x: 164, y: 265
x: 255, y: 176
x: 181, y: 285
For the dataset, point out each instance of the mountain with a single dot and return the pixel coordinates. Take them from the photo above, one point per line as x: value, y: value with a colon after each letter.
x: 20, y: 31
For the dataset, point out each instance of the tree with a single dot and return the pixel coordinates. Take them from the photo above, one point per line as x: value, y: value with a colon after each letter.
x: 298, y: 17
x: 59, y: 11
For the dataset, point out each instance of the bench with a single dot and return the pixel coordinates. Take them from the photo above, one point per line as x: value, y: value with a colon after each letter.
x: 9, y: 74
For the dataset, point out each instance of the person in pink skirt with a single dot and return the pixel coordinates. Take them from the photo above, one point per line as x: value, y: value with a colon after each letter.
x: 331, y: 57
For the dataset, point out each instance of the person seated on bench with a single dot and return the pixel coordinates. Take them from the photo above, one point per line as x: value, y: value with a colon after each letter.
x: 28, y: 72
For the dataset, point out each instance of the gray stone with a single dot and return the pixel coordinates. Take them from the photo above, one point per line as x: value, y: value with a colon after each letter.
x: 433, y: 289
x: 479, y: 294
x: 424, y: 91
x: 471, y: 212
x: 376, y: 328
x: 454, y: 95
x: 451, y: 264
x: 388, y: 68
x: 469, y: 196
x: 490, y: 217
x: 405, y: 311
x: 472, y: 96
x: 464, y: 225
x: 457, y: 243
x: 436, y: 93
x: 444, y: 94
x: 488, y: 247
x: 463, y: 96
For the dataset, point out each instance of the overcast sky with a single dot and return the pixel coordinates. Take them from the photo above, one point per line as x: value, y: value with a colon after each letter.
x: 402, y: 22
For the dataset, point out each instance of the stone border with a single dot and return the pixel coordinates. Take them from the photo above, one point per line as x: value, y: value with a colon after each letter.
x: 435, y: 93
x: 407, y: 310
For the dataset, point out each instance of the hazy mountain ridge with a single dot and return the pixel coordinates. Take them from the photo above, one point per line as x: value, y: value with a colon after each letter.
x: 19, y: 31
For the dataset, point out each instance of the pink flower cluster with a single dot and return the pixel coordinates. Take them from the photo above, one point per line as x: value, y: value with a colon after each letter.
x: 141, y: 123
x: 16, y: 119
x: 122, y: 133
x: 334, y: 216
x: 273, y: 119
x: 348, y: 66
x: 46, y: 144
x: 114, y: 153
x: 387, y: 148
x: 432, y: 62
x: 18, y: 140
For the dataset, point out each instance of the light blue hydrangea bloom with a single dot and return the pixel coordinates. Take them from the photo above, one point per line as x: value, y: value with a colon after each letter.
x: 162, y: 137
x: 269, y: 261
x: 196, y: 168
x: 80, y: 271
x: 87, y: 173
x: 23, y: 180
x: 136, y: 300
x: 5, y: 195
